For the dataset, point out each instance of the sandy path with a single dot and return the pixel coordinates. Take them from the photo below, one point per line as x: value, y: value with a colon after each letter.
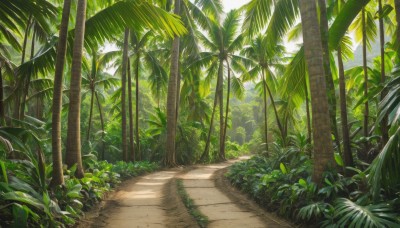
x: 153, y: 201
x: 138, y: 204
x: 213, y: 203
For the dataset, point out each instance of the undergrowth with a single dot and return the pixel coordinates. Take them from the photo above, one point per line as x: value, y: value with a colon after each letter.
x: 26, y: 199
x: 282, y: 183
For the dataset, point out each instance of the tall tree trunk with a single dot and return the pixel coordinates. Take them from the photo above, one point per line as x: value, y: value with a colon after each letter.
x: 309, y: 130
x: 221, y: 153
x: 102, y: 126
x: 92, y: 92
x: 397, y: 9
x: 170, y: 156
x: 57, y: 175
x: 228, y: 94
x: 323, y: 150
x: 28, y: 80
x: 178, y: 93
x: 2, y: 111
x: 278, y: 121
x: 18, y: 95
x: 206, y: 153
x: 347, y: 155
x: 384, y: 122
x: 123, y: 96
x: 39, y: 108
x: 90, y: 112
x: 131, y: 132
x: 265, y: 110
x: 365, y: 68
x: 138, y: 151
x: 73, y: 153
x: 324, y: 27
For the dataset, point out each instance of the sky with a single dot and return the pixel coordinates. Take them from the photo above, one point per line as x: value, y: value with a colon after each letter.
x: 233, y: 4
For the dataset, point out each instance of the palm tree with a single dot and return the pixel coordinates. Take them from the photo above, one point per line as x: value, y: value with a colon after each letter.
x: 348, y: 157
x: 223, y: 43
x: 384, y: 123
x: 267, y: 58
x: 397, y: 9
x: 123, y: 95
x: 96, y: 82
x: 323, y: 150
x: 73, y: 152
x: 130, y: 107
x: 328, y: 74
x: 170, y: 158
x: 139, y: 40
x: 58, y: 177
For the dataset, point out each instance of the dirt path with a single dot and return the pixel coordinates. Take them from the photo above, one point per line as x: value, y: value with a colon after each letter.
x: 221, y: 210
x: 138, y: 204
x: 153, y: 201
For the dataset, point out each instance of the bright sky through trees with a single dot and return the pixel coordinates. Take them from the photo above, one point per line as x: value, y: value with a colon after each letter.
x: 233, y: 4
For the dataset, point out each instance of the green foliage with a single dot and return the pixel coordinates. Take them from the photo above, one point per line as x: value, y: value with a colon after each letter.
x: 26, y: 198
x: 283, y: 183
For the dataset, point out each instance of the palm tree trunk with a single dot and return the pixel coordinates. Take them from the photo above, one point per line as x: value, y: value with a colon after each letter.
x: 131, y: 132
x: 365, y: 68
x: 397, y: 9
x: 2, y: 111
x: 92, y: 91
x: 328, y: 74
x: 17, y: 91
x: 178, y: 93
x: 323, y: 150
x: 347, y: 155
x: 90, y: 111
x: 228, y: 93
x: 73, y: 153
x: 170, y: 157
x: 102, y: 126
x: 28, y: 80
x: 39, y: 108
x: 265, y: 111
x: 221, y: 154
x: 206, y: 153
x: 278, y: 121
x: 384, y: 122
x: 309, y: 130
x: 138, y: 152
x: 57, y: 175
x: 123, y: 96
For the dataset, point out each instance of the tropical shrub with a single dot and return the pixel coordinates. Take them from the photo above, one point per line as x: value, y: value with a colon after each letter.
x: 283, y: 183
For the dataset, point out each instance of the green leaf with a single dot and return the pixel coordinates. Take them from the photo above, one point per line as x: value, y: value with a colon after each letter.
x: 283, y: 168
x: 4, y: 171
x: 20, y: 216
x: 339, y: 159
x: 302, y: 182
x: 386, y: 9
x: 24, y: 198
